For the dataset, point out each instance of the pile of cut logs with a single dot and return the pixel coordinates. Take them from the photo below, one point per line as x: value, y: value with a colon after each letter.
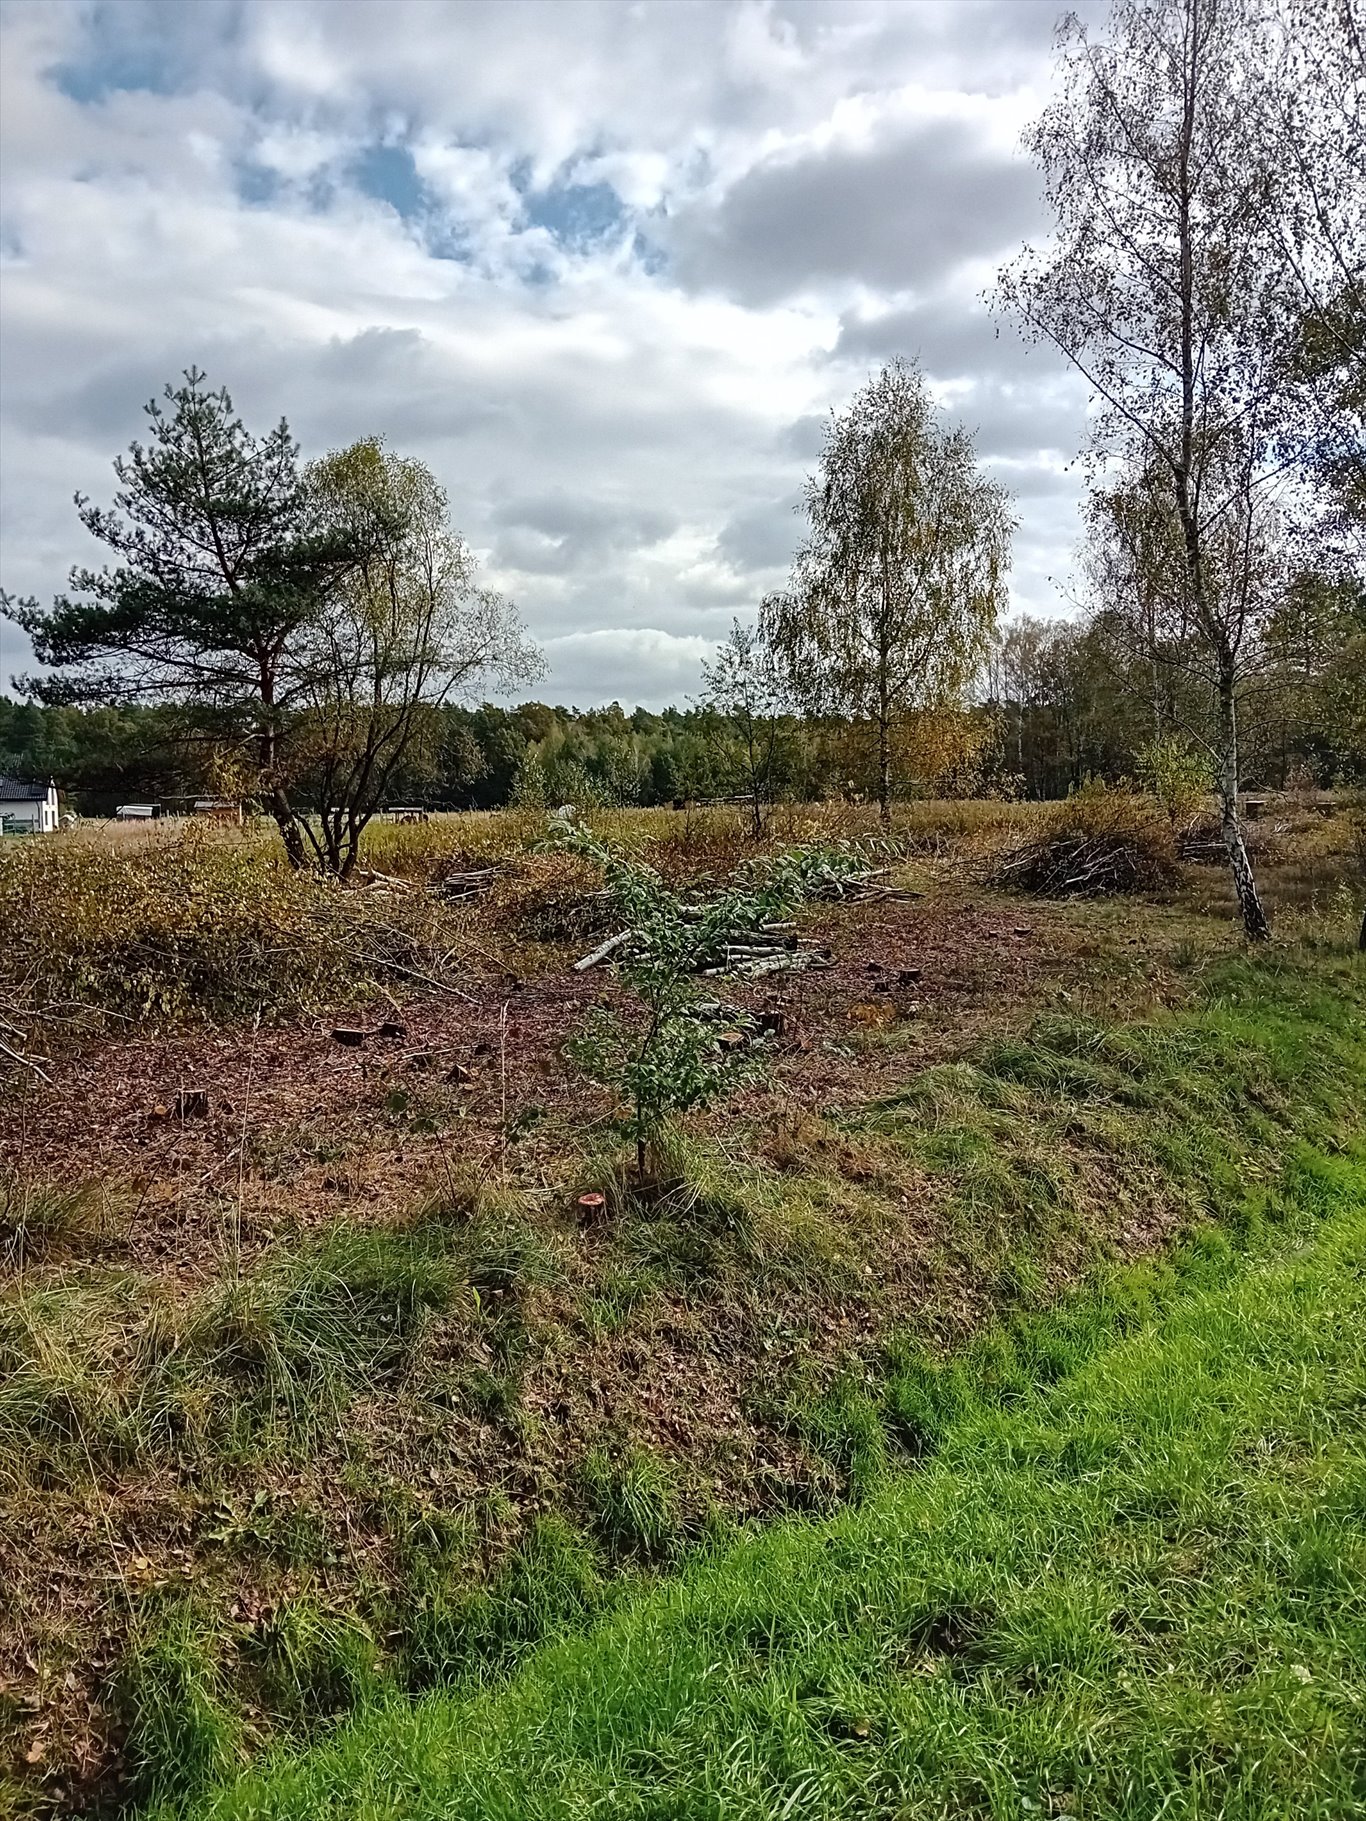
x: 869, y: 887
x: 456, y: 887
x: 772, y: 948
x: 766, y: 948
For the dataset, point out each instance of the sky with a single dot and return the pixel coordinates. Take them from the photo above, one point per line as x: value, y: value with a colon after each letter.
x: 605, y: 265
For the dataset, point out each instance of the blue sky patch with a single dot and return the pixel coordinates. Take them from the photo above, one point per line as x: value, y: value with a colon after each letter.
x: 257, y: 184
x: 388, y: 173
x: 125, y: 51
x: 579, y: 215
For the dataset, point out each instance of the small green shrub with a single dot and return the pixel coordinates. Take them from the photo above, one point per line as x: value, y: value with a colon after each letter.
x: 1177, y: 775
x: 671, y: 1057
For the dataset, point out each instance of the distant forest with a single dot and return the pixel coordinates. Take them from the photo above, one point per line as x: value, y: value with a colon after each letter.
x: 1056, y: 704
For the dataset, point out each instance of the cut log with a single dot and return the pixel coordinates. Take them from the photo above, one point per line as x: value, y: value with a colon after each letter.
x: 602, y: 951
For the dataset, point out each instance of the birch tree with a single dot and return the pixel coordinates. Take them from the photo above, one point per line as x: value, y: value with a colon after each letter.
x: 743, y: 686
x: 895, y: 592
x: 404, y: 630
x: 1185, y: 243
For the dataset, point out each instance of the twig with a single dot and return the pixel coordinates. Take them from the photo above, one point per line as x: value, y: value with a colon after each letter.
x: 409, y: 973
x: 25, y: 1062
x: 503, y: 1084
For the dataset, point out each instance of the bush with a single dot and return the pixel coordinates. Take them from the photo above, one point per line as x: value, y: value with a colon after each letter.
x: 1103, y: 839
x: 191, y: 926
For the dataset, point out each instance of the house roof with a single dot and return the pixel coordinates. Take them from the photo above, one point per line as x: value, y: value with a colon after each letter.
x: 11, y: 791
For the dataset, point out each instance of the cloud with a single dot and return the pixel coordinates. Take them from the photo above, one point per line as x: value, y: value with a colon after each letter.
x: 639, y: 667
x: 561, y: 534
x: 897, y: 212
x: 605, y: 268
x: 763, y: 537
x: 951, y: 335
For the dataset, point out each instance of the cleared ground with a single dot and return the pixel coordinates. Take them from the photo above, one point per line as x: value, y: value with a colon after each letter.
x: 326, y: 1393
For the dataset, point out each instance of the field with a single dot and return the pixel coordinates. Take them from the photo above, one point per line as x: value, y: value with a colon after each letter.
x: 323, y: 1392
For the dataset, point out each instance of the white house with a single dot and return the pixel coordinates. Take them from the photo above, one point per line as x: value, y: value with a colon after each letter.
x: 28, y: 809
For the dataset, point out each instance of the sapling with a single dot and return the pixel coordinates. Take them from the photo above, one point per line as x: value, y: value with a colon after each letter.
x: 672, y: 1057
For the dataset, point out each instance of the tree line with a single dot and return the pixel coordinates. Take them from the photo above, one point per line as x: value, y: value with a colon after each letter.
x: 315, y: 630
x: 1045, y: 713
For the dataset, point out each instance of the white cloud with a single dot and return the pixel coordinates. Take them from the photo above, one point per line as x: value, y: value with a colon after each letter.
x: 606, y: 267
x: 638, y: 665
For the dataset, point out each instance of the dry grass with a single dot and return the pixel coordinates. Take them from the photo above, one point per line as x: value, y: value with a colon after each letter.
x: 191, y: 925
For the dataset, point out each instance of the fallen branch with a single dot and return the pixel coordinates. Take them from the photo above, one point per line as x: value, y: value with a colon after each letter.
x: 26, y: 1062
x: 410, y: 973
x: 602, y: 951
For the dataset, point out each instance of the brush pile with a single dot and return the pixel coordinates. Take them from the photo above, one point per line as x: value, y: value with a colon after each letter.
x: 746, y: 930
x: 1100, y: 842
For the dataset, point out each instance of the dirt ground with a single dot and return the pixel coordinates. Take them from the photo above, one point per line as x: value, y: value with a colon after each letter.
x: 273, y: 1128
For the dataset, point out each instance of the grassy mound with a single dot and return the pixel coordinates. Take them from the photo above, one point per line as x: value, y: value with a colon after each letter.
x: 305, y: 1460
x: 1138, y: 1591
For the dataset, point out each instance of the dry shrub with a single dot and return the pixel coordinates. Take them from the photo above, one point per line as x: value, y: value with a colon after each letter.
x: 1099, y: 841
x: 708, y: 840
x: 960, y: 826
x: 196, y: 927
x: 549, y: 897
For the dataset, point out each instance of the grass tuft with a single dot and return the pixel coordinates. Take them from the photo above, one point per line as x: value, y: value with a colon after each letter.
x: 550, y: 1585
x: 346, y: 1312
x: 634, y: 1503
x: 313, y: 1664
x: 181, y: 1733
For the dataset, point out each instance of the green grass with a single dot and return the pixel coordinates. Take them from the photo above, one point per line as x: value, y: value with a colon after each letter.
x: 98, y: 1368
x: 1078, y: 1126
x: 550, y: 1585
x: 1129, y: 1581
x: 174, y: 1700
x: 634, y: 1503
